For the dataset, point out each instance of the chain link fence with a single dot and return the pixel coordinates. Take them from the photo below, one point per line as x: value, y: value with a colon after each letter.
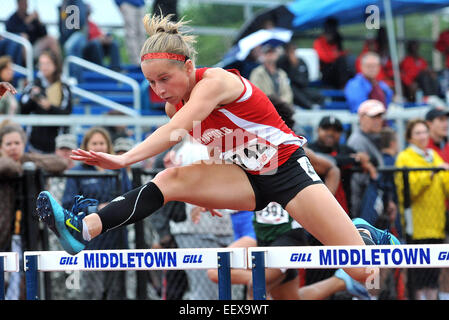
x: 421, y: 218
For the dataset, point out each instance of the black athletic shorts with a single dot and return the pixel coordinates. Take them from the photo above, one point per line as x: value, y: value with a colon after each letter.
x: 285, y: 182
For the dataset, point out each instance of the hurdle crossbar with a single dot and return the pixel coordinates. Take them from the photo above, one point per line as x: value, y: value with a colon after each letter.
x: 222, y: 259
x: 9, y: 262
x: 329, y: 257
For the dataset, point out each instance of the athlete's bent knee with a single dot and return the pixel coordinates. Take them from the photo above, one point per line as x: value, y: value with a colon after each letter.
x: 167, y: 176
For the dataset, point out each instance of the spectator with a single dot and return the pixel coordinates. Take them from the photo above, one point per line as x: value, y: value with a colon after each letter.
x: 122, y: 145
x: 100, y: 45
x: 269, y: 78
x: 252, y: 61
x: 73, y: 32
x: 364, y: 85
x: 173, y: 283
x: 12, y: 49
x: 207, y: 232
x: 437, y: 121
x: 132, y: 13
x: 366, y: 139
x: 99, y: 285
x: 47, y: 95
x: 31, y: 28
x: 9, y: 104
x: 442, y: 45
x: 346, y: 158
x: 379, y: 45
x: 416, y: 74
x: 65, y: 143
x: 333, y: 59
x: 388, y: 144
x: 425, y: 219
x: 13, y: 156
x: 297, y: 72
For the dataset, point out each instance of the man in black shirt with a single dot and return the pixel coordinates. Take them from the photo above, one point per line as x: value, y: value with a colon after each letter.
x: 328, y: 145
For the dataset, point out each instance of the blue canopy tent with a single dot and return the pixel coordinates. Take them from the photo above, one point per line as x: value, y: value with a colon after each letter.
x: 312, y: 14
x: 302, y: 15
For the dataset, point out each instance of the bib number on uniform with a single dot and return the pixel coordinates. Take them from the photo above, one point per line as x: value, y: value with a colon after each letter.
x: 308, y: 168
x: 272, y: 214
x: 253, y: 155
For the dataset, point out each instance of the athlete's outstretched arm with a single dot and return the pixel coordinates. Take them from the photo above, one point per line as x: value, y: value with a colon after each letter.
x: 205, y: 96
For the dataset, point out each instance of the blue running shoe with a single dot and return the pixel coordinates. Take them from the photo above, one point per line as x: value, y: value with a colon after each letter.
x: 353, y: 287
x: 67, y: 225
x: 379, y: 237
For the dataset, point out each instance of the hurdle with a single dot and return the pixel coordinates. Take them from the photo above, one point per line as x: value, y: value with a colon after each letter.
x: 9, y: 262
x: 329, y: 257
x: 222, y: 259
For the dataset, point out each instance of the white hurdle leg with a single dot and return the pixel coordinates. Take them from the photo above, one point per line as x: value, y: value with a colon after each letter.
x: 9, y: 262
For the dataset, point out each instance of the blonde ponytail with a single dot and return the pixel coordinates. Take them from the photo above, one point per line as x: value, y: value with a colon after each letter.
x: 165, y: 35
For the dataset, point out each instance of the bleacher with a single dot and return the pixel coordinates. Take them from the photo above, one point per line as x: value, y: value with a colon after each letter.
x: 111, y: 89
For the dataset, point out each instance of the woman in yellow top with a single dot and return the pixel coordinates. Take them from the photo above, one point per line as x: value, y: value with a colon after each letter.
x: 425, y: 222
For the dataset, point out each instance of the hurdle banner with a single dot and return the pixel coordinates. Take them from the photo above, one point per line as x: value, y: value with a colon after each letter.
x: 222, y: 259
x: 9, y: 262
x: 328, y: 257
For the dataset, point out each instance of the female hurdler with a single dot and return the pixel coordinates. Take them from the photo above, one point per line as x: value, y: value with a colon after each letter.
x: 255, y: 157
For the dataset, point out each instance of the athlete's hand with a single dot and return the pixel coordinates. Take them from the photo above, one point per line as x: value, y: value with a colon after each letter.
x: 198, y: 210
x: 100, y: 159
x: 6, y: 86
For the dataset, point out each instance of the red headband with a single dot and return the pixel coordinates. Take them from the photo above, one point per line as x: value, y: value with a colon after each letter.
x: 164, y: 55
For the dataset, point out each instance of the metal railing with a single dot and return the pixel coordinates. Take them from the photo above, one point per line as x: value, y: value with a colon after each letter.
x: 304, y: 118
x: 29, y: 69
x: 137, y: 104
x: 108, y: 73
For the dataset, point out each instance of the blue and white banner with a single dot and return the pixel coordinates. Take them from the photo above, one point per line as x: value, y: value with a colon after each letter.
x: 154, y: 259
x: 386, y: 256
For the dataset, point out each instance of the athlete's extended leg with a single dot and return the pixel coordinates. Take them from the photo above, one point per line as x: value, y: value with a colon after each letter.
x: 317, y: 210
x: 208, y: 185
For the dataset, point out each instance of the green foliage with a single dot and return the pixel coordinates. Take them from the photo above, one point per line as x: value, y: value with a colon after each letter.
x: 216, y: 15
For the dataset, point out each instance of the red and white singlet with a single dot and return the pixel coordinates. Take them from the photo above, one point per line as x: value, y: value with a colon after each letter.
x: 248, y: 131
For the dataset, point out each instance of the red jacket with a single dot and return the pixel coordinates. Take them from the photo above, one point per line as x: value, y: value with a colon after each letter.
x: 411, y: 67
x: 442, y: 44
x: 94, y: 31
x: 327, y: 52
x: 442, y: 152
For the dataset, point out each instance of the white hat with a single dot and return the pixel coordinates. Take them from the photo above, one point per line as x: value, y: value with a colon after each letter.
x: 371, y: 108
x: 66, y: 141
x: 123, y: 144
